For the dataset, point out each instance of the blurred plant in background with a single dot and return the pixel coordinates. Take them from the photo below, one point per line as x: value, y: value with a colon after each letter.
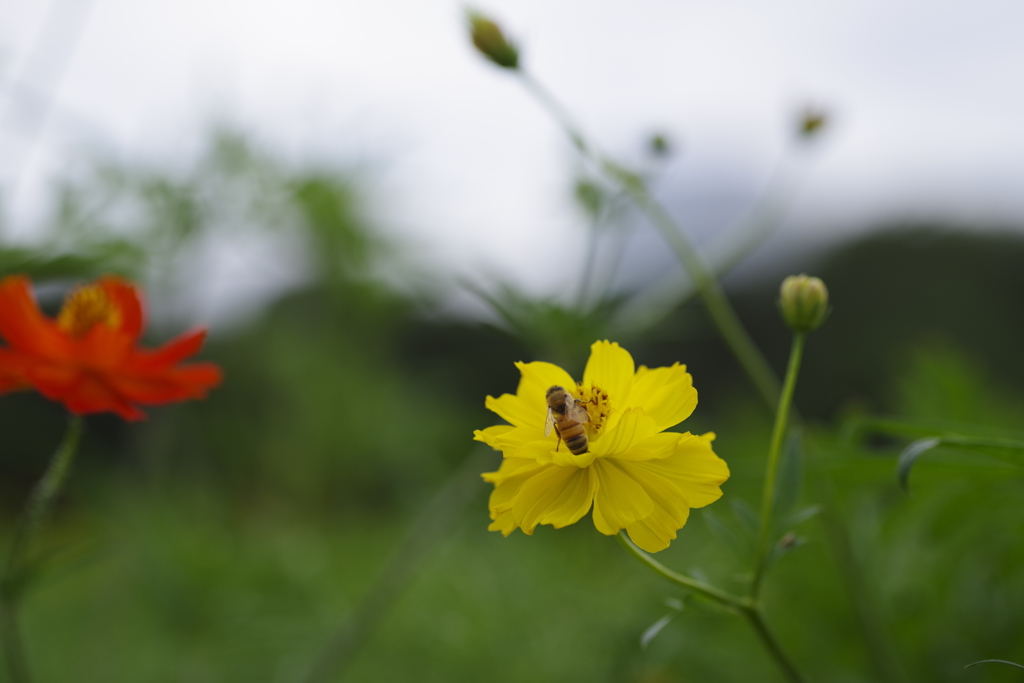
x: 316, y: 509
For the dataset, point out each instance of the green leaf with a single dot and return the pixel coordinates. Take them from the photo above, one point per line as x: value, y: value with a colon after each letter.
x: 994, y: 661
x: 909, y: 456
x: 790, y: 482
x: 802, y: 516
x: 654, y: 629
x: 858, y: 427
x: 747, y: 518
x: 1007, y: 450
x: 932, y: 434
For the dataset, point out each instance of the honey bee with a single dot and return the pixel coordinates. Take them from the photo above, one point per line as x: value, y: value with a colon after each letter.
x: 566, y: 415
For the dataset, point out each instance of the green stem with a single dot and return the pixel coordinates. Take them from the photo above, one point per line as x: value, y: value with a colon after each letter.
x: 588, y: 267
x: 745, y: 607
x: 772, y: 466
x: 13, y: 647
x: 774, y: 649
x: 723, y: 315
x: 555, y: 108
x: 721, y: 311
x: 707, y: 590
x: 36, y: 509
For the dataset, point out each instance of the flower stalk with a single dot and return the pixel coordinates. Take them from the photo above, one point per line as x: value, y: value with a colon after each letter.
x: 745, y: 607
x: 772, y: 466
x: 723, y: 315
x: 707, y: 590
x: 36, y: 510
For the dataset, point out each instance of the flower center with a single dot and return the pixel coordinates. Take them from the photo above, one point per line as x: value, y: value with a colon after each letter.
x: 84, y: 308
x: 595, y: 399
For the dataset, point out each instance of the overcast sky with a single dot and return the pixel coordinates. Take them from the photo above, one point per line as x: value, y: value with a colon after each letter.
x: 927, y: 100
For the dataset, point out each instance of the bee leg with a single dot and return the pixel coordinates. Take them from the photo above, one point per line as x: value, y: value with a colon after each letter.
x: 559, y: 443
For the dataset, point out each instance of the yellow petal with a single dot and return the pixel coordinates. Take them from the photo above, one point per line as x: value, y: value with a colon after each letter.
x: 511, y: 408
x: 654, y: 533
x: 670, y: 512
x: 633, y: 427
x: 610, y: 367
x: 528, y: 407
x: 511, y: 467
x: 489, y: 435
x: 538, y: 377
x: 620, y: 500
x: 503, y: 522
x: 666, y: 394
x: 653, y: 447
x: 509, y: 478
x: 554, y: 495
x: 694, y: 468
x: 542, y: 451
x: 510, y: 442
x: 551, y: 452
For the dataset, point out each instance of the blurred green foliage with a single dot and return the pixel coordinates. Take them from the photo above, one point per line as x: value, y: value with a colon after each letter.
x: 226, y: 540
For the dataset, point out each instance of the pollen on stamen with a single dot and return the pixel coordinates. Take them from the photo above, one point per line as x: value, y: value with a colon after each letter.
x: 84, y: 308
x: 596, y: 401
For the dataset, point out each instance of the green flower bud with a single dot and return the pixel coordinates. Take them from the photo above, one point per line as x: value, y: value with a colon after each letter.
x: 803, y: 301
x: 491, y: 42
x: 811, y: 122
x: 659, y: 145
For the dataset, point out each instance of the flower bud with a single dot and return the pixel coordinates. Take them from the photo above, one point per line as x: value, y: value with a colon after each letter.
x: 811, y: 122
x: 491, y: 42
x: 659, y: 145
x: 803, y: 301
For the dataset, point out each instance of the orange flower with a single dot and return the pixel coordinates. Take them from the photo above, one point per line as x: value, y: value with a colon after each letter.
x: 88, y: 358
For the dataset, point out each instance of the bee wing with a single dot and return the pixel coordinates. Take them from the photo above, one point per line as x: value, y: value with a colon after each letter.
x: 575, y: 411
x: 549, y: 423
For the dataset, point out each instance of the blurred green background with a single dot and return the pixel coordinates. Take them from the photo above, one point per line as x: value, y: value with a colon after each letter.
x: 230, y: 539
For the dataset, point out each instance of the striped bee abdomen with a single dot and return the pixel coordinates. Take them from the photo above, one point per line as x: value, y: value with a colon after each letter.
x: 567, y: 416
x: 574, y: 435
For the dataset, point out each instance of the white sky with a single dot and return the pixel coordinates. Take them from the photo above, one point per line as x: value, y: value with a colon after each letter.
x: 927, y: 97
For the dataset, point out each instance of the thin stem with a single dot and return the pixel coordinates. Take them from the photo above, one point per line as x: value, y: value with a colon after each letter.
x: 723, y: 315
x: 772, y: 466
x: 743, y: 606
x: 555, y: 108
x: 721, y: 311
x: 36, y: 509
x: 705, y: 589
x: 774, y: 649
x: 588, y: 267
x: 13, y: 645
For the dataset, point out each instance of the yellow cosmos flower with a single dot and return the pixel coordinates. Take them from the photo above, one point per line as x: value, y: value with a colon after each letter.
x: 637, y: 476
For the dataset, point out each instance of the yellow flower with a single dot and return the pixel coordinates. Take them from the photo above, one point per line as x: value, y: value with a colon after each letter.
x: 636, y: 476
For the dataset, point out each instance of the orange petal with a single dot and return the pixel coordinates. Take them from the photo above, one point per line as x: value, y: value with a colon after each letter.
x: 24, y: 326
x: 12, y: 372
x: 174, y: 384
x: 174, y: 351
x: 125, y: 296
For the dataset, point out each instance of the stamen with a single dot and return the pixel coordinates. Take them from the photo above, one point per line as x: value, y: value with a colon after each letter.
x: 84, y: 308
x: 596, y: 400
